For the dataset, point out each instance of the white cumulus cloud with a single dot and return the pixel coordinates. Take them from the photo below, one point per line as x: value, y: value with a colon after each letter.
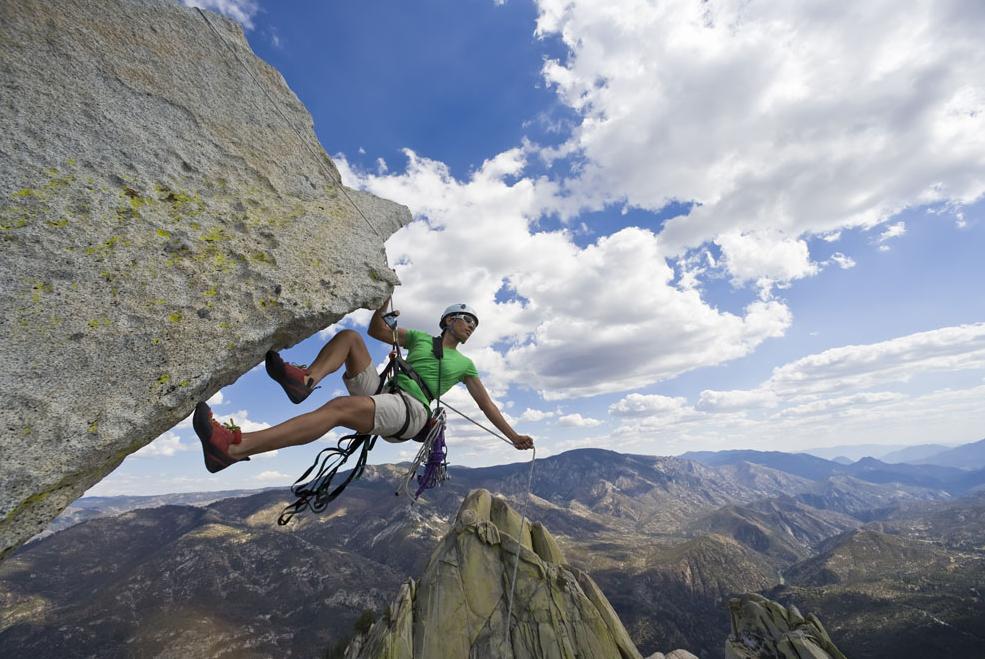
x: 271, y: 476
x: 897, y: 360
x: 164, y: 446
x: 855, y: 393
x: 635, y: 405
x: 800, y: 118
x: 241, y: 11
x: 530, y: 414
x: 575, y: 317
x: 735, y: 400
x: 578, y: 421
x: 842, y: 261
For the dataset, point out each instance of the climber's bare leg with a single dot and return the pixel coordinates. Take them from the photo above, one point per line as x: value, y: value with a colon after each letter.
x: 356, y: 412
x: 347, y: 347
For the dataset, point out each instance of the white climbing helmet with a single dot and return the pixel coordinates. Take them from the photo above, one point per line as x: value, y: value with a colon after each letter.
x: 455, y: 310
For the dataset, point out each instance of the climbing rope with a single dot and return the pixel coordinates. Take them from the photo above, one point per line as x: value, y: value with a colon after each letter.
x: 318, y: 156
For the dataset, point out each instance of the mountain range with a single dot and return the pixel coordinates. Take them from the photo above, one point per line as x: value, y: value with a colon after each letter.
x: 965, y: 456
x: 668, y: 540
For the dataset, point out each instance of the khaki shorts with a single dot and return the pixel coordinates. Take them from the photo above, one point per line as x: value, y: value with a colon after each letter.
x: 391, y: 410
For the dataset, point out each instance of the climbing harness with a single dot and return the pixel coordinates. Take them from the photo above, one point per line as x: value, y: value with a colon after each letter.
x: 316, y: 492
x: 433, y: 452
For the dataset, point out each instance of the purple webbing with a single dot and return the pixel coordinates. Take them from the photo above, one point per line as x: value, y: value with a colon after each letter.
x: 434, y: 468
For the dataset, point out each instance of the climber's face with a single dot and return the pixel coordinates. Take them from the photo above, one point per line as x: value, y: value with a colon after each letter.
x: 461, y: 326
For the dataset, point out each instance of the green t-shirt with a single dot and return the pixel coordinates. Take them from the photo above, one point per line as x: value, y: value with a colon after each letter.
x: 455, y: 367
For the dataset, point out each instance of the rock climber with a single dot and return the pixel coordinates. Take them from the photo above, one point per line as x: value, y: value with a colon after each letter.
x: 364, y: 411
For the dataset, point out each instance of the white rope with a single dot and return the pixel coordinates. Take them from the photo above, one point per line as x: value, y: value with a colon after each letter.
x: 491, y: 432
x: 318, y: 156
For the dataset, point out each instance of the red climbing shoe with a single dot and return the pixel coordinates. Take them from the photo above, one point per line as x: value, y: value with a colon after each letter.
x: 290, y: 376
x: 216, y: 439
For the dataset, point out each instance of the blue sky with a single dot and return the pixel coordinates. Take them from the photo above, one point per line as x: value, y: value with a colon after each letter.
x: 750, y: 226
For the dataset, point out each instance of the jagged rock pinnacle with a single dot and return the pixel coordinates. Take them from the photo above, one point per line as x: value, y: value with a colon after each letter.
x: 764, y: 628
x: 459, y: 606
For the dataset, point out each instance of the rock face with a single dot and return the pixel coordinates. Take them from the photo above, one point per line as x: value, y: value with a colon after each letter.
x: 166, y: 216
x: 459, y: 607
x: 764, y: 629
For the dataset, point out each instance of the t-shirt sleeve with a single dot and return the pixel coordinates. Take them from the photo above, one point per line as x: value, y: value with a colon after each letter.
x: 470, y: 370
x: 413, y: 337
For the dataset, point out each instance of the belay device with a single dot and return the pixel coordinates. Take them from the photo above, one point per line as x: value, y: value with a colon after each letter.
x: 316, y: 492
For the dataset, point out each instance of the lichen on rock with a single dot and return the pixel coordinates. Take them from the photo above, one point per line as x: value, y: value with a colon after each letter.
x: 167, y: 215
x: 459, y: 607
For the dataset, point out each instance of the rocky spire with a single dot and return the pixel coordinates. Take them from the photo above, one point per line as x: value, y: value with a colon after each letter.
x: 458, y: 609
x: 764, y: 628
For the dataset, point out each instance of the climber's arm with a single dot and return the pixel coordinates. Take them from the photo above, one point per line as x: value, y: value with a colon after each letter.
x: 488, y: 407
x: 379, y: 330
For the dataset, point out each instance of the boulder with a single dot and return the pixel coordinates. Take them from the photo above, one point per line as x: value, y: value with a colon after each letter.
x: 460, y: 606
x: 764, y: 628
x: 167, y: 215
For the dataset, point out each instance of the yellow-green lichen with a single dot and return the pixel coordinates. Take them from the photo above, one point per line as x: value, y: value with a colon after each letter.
x: 263, y: 257
x: 18, y: 223
x: 26, y: 504
x: 215, y: 234
x: 175, y: 317
x: 163, y: 233
x: 93, y: 427
x: 220, y: 261
x: 58, y: 224
x: 155, y: 341
x: 164, y: 379
x: 40, y: 288
x: 211, y: 292
x: 183, y: 383
x: 180, y: 204
x: 58, y: 182
x: 104, y: 247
